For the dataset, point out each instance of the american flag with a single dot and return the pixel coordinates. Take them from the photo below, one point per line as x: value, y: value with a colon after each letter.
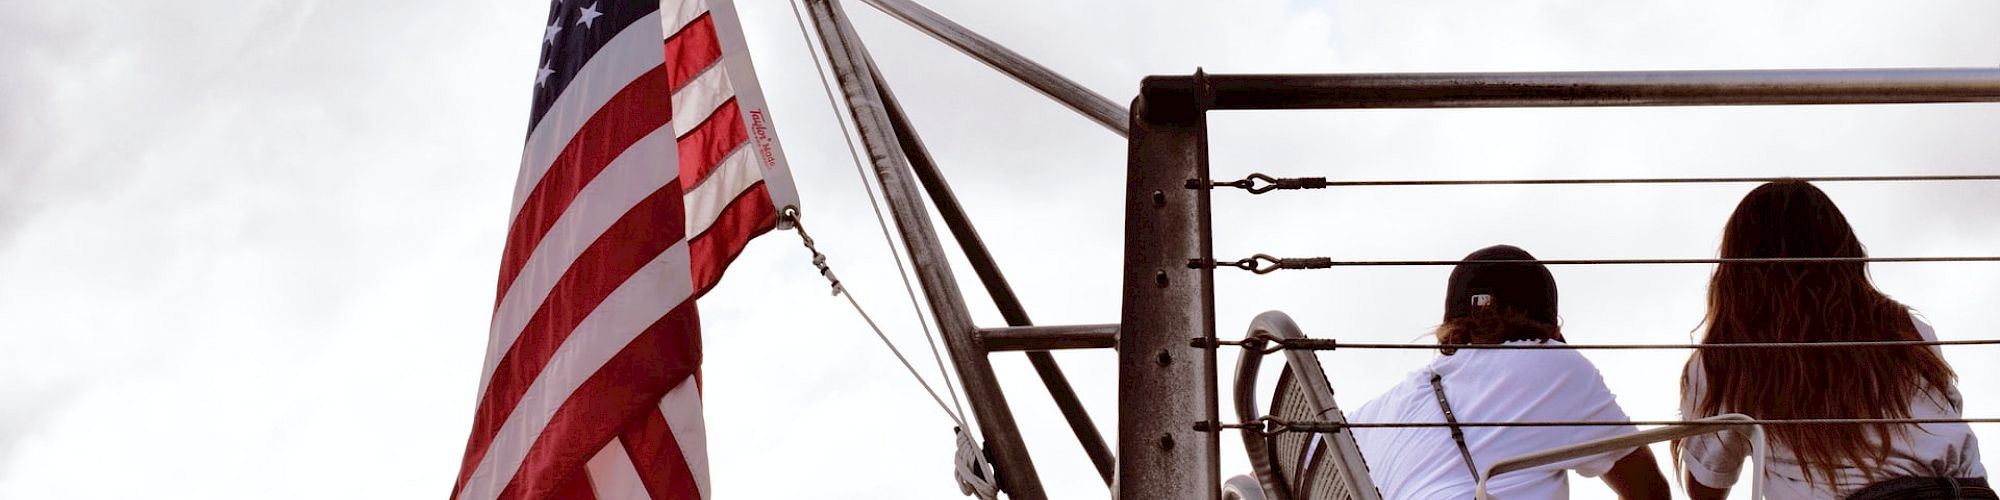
x: 647, y: 170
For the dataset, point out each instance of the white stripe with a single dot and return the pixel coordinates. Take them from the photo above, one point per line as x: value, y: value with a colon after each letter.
x: 679, y: 13
x: 699, y: 98
x: 682, y: 407
x: 705, y: 202
x: 612, y: 475
x: 645, y: 297
x: 636, y: 173
x: 627, y: 56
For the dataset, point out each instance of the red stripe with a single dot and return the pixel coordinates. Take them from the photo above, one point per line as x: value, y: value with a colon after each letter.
x: 639, y: 236
x: 692, y: 50
x: 710, y: 252
x: 661, y: 462
x: 578, y: 487
x: 704, y: 148
x: 642, y: 107
x: 611, y: 399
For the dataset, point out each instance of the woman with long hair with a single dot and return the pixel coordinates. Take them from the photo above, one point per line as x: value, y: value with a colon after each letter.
x: 1810, y: 302
x: 1499, y: 295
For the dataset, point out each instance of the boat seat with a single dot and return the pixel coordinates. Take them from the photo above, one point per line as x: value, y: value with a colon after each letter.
x: 1295, y: 465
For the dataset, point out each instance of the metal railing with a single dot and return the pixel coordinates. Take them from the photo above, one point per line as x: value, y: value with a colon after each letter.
x: 1167, y: 383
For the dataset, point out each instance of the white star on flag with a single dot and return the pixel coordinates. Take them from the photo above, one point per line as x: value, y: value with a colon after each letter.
x: 542, y: 75
x: 587, y: 14
x: 549, y: 37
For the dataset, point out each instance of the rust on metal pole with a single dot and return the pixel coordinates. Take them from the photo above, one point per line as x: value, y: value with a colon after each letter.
x: 850, y: 66
x: 1166, y: 386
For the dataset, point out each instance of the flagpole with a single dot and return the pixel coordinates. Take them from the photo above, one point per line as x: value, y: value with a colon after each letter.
x: 1071, y: 94
x: 865, y: 102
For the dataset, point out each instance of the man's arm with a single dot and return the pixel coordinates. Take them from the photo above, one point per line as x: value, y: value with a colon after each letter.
x: 1637, y: 476
x: 1698, y: 491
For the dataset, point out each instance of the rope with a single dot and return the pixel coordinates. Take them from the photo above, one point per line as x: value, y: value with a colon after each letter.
x: 819, y: 261
x: 847, y: 138
x: 1268, y: 344
x: 1266, y: 264
x: 1258, y: 183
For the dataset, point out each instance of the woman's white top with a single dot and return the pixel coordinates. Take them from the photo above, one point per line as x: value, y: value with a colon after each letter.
x: 1928, y: 450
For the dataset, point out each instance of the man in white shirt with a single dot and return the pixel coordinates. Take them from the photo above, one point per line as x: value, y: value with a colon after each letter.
x: 1493, y: 303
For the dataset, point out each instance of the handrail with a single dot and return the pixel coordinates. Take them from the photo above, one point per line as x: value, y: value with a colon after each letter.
x: 1721, y: 423
x: 1576, y: 88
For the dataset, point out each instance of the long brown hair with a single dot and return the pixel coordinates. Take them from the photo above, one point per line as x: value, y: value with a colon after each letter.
x: 1808, y: 302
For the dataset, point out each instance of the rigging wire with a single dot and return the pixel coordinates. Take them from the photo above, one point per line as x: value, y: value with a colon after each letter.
x: 1266, y: 264
x: 819, y: 261
x: 847, y: 139
x: 1265, y: 344
x: 1259, y: 183
x: 1271, y: 426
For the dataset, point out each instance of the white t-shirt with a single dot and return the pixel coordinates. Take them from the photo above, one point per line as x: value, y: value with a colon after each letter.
x: 1930, y: 450
x: 1493, y: 385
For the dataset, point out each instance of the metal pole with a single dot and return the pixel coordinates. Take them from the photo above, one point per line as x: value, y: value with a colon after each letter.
x: 989, y: 274
x: 1035, y: 76
x: 865, y: 101
x: 1044, y: 338
x: 1591, y: 88
x: 1166, y: 386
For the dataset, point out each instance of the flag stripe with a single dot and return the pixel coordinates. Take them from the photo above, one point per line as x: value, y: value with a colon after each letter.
x: 694, y: 102
x: 578, y: 487
x: 681, y: 13
x: 750, y: 215
x: 612, y: 474
x: 596, y: 379
x: 682, y: 412
x: 628, y: 383
x: 705, y: 201
x: 600, y: 273
x: 638, y: 110
x: 658, y: 456
x: 703, y: 149
x: 626, y: 183
x: 693, y: 50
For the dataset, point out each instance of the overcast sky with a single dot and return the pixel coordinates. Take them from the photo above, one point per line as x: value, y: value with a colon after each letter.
x: 247, y: 248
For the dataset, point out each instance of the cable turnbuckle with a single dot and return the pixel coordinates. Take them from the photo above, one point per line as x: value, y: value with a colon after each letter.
x: 1264, y: 263
x: 1261, y: 343
x: 818, y: 259
x: 1258, y: 183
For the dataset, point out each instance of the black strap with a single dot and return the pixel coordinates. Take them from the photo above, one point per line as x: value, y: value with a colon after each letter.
x: 1451, y: 421
x: 1927, y: 488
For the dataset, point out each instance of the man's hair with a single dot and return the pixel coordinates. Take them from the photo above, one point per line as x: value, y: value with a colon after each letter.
x: 1493, y: 325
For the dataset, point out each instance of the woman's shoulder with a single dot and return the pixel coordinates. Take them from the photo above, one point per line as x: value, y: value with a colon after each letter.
x: 1923, y: 327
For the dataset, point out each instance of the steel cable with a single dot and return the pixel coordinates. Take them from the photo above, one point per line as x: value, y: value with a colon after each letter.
x: 1258, y: 183
x: 847, y: 139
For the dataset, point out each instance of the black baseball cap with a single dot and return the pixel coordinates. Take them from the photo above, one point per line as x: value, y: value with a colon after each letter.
x: 1524, y: 286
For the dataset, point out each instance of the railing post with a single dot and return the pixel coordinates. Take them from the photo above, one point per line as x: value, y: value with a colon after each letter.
x: 1166, y: 386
